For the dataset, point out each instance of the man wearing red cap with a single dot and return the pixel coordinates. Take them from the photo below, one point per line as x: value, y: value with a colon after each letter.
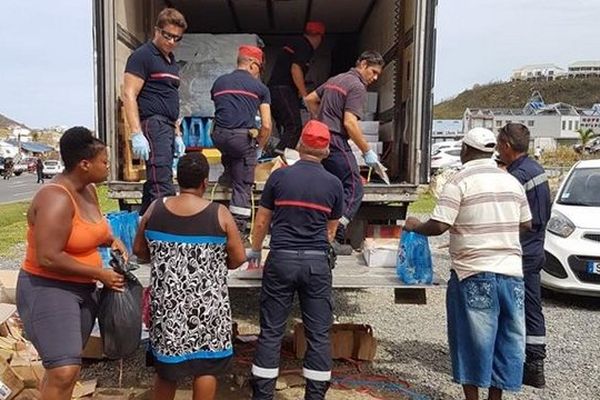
x: 238, y: 96
x: 339, y: 103
x: 287, y: 82
x: 302, y: 204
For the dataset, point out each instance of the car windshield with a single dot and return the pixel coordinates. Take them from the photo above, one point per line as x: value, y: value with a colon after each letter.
x: 582, y: 188
x: 455, y: 153
x: 51, y: 163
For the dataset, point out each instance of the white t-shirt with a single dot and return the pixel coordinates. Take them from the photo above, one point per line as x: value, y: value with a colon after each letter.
x: 484, y: 206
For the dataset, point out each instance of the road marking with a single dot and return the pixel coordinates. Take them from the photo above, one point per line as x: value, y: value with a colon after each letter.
x: 24, y: 193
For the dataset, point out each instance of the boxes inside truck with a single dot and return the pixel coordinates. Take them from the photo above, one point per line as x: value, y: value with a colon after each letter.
x: 401, y: 31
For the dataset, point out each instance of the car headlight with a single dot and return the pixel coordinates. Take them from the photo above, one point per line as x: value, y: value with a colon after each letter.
x: 560, y: 225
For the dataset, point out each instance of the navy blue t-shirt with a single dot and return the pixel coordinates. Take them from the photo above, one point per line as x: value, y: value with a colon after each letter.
x: 535, y: 182
x: 160, y: 93
x: 303, y: 198
x: 297, y: 51
x: 237, y: 96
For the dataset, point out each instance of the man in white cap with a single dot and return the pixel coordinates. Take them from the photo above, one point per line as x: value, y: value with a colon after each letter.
x: 484, y: 208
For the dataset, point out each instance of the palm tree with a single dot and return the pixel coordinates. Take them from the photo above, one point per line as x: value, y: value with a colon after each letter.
x: 585, y: 135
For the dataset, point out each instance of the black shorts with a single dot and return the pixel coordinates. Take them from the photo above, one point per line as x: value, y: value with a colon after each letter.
x: 58, y: 317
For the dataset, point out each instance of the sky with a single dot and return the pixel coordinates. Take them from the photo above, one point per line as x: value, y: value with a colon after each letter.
x: 47, y: 73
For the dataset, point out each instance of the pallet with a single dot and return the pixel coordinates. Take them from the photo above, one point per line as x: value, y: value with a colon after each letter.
x: 131, y: 169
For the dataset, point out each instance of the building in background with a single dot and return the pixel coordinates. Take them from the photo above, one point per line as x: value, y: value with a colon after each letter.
x: 446, y: 129
x: 590, y: 118
x: 550, y: 124
x: 538, y: 72
x: 584, y: 69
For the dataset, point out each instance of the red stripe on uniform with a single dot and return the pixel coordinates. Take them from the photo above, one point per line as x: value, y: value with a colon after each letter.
x: 289, y: 49
x: 303, y: 204
x: 161, y: 75
x: 242, y: 92
x: 336, y: 87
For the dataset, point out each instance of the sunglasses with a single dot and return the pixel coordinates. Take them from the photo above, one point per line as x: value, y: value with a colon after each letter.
x: 169, y: 36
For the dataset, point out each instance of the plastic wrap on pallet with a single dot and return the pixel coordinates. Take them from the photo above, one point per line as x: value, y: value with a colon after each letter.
x: 205, y: 57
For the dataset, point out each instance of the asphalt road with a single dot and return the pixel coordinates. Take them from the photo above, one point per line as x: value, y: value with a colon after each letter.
x: 18, y: 188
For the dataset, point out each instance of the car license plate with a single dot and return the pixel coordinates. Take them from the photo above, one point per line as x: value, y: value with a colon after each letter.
x: 593, y: 267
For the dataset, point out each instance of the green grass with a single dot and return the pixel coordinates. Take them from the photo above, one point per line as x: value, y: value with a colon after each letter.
x: 13, y: 221
x: 13, y: 226
x: 424, y: 204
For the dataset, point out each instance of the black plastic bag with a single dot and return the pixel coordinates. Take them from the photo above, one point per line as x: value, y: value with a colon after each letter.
x: 120, y: 313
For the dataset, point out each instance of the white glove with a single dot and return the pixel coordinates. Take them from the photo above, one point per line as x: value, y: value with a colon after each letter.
x: 371, y: 158
x: 179, y: 146
x: 140, y: 146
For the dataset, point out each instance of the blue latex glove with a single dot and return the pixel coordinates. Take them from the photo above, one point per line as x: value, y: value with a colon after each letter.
x: 254, y: 257
x: 140, y: 146
x: 179, y: 146
x: 371, y: 158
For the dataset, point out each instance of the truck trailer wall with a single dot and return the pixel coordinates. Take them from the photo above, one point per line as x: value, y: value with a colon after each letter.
x: 400, y: 30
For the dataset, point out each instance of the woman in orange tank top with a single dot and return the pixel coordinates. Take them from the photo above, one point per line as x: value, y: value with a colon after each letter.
x: 56, y: 289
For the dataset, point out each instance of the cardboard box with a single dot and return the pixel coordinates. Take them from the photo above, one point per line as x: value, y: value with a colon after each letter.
x: 384, y: 231
x: 347, y: 341
x: 93, y: 348
x: 29, y: 394
x: 10, y: 383
x: 380, y: 252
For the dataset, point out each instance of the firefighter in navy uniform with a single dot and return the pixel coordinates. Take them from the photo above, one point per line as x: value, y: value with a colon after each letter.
x: 339, y: 103
x: 287, y: 84
x: 302, y: 204
x: 238, y: 97
x: 513, y: 145
x: 151, y: 104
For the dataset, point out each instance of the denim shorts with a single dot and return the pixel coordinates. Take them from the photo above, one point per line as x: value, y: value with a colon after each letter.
x: 486, y: 330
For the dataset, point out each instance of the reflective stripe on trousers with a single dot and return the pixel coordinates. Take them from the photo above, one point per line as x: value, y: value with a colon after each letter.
x: 285, y: 273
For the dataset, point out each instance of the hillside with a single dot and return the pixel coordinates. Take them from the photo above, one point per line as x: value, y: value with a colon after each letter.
x: 5, y: 122
x: 577, y: 92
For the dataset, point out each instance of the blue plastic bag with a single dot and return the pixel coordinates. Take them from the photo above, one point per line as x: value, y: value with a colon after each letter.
x: 414, y: 264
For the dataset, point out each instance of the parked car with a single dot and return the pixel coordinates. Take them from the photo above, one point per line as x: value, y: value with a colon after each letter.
x: 573, y: 234
x: 450, y: 144
x: 592, y: 146
x: 51, y: 168
x: 446, y: 158
x: 19, y: 168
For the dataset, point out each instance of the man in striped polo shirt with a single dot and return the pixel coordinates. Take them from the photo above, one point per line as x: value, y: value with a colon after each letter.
x: 484, y: 208
x: 513, y: 145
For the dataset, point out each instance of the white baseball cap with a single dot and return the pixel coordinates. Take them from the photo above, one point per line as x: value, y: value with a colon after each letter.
x: 481, y: 139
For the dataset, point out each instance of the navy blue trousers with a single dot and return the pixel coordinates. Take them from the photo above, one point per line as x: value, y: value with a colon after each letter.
x: 285, y: 273
x: 160, y: 133
x: 285, y: 105
x: 535, y: 324
x: 341, y: 163
x: 238, y: 156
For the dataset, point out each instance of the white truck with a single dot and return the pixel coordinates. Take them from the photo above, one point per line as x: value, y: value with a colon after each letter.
x: 403, y: 31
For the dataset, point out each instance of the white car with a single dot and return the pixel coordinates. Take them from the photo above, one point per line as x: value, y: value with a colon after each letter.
x: 452, y: 144
x: 51, y: 168
x: 573, y: 234
x: 446, y: 158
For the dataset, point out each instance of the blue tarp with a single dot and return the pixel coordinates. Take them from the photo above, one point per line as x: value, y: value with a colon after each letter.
x: 33, y: 147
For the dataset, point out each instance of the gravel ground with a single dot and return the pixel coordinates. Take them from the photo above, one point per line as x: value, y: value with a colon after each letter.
x: 412, y: 340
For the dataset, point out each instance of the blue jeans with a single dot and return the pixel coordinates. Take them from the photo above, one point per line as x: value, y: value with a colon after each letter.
x: 486, y: 330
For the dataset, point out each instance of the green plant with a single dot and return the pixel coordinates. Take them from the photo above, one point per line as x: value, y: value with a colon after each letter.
x: 585, y: 135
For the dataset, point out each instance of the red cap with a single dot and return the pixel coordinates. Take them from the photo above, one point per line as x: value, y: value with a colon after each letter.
x: 315, y: 134
x: 315, y: 28
x: 251, y: 51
